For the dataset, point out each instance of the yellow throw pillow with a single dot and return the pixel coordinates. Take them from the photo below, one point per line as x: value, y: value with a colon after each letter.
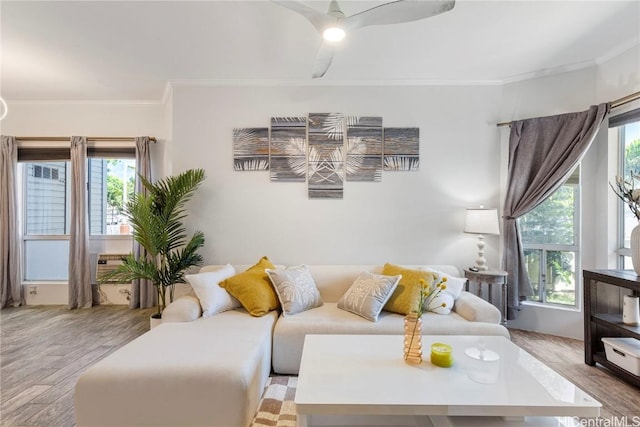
x: 406, y: 297
x: 253, y: 289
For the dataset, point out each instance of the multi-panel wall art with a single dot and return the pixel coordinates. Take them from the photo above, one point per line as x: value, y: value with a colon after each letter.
x: 288, y: 149
x: 364, y: 148
x: 251, y: 149
x: 401, y: 149
x: 328, y: 148
x: 326, y: 156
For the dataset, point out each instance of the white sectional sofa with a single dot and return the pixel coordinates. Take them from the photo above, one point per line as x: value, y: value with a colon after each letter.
x: 211, y: 371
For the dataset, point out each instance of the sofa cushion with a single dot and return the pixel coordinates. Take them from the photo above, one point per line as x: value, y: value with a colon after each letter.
x: 295, y: 288
x: 368, y: 294
x: 289, y: 332
x: 212, y: 370
x: 213, y: 298
x: 184, y: 309
x: 406, y: 297
x: 253, y: 288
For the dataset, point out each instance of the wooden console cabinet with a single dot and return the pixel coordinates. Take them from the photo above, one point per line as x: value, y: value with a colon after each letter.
x: 603, y: 315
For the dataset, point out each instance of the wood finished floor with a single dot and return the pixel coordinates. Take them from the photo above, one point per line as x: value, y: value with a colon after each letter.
x: 43, y: 350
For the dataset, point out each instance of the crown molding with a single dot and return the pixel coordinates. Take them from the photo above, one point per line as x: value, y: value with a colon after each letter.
x: 619, y: 50
x: 87, y: 102
x: 326, y: 83
x: 167, y: 94
x: 547, y: 72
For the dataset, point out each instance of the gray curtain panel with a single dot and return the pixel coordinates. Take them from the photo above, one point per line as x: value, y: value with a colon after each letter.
x: 80, y: 295
x: 542, y: 154
x: 10, y: 274
x: 143, y: 293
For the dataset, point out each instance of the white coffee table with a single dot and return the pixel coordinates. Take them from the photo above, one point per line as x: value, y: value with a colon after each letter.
x: 362, y: 380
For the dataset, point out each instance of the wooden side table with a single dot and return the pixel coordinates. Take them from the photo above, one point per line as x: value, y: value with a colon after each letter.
x: 490, y: 278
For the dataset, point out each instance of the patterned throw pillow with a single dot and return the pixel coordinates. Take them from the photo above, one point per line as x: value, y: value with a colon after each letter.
x: 253, y: 289
x: 368, y: 294
x: 295, y: 288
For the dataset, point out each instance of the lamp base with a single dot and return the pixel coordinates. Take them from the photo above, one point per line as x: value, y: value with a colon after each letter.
x: 481, y: 261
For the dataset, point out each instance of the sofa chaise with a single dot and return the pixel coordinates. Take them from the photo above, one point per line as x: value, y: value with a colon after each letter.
x: 211, y: 371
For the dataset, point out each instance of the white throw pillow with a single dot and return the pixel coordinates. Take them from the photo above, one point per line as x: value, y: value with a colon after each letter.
x: 443, y: 302
x: 295, y: 288
x: 368, y: 294
x: 213, y: 298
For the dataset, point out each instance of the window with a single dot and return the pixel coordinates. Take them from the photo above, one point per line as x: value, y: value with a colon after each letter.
x: 550, y: 236
x: 625, y: 130
x: 111, y: 183
x: 46, y: 210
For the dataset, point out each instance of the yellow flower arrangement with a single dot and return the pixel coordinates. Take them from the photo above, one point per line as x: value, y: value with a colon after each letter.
x: 412, y: 323
x: 429, y: 291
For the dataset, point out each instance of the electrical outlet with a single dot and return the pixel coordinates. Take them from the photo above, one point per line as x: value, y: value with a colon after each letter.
x: 33, y: 290
x: 126, y: 292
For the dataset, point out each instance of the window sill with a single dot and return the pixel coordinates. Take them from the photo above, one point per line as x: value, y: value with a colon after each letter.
x: 111, y: 237
x: 44, y: 282
x: 552, y: 306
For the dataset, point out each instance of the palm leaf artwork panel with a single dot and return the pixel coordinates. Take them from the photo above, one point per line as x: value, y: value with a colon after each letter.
x: 364, y: 149
x: 326, y: 155
x: 288, y: 149
x: 401, y: 149
x: 251, y: 149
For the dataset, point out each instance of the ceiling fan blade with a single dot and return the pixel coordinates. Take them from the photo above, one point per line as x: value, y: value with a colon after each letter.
x: 323, y: 60
x: 396, y: 12
x: 319, y: 20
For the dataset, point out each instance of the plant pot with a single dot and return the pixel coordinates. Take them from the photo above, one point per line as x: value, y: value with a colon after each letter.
x: 635, y: 248
x: 155, y: 320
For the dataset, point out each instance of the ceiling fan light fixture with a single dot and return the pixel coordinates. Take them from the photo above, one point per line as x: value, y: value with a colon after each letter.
x: 3, y: 109
x: 333, y: 34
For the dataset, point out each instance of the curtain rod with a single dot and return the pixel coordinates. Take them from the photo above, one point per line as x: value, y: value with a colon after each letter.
x: 89, y: 138
x: 613, y: 104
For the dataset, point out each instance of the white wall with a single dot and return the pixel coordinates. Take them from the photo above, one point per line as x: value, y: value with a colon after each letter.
x: 563, y: 93
x: 88, y: 119
x: 409, y: 217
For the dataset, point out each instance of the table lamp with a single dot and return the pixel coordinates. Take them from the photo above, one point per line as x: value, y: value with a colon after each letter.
x: 481, y: 221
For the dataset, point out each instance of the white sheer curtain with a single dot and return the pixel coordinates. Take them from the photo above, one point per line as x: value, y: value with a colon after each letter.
x: 10, y: 274
x: 80, y: 295
x: 143, y: 293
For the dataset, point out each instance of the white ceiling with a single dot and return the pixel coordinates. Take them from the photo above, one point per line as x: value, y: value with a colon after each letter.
x: 129, y: 50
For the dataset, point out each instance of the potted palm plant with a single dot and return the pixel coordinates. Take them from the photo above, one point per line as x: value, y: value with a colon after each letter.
x: 156, y: 219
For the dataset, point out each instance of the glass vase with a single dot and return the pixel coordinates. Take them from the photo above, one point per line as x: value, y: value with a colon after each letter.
x: 413, y: 339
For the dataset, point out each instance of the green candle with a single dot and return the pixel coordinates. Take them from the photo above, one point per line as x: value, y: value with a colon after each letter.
x: 441, y: 355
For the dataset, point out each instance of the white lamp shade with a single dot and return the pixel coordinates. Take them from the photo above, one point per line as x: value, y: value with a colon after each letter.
x: 482, y: 221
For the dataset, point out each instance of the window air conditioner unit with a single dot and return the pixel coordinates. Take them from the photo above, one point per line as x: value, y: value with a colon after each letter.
x: 107, y: 263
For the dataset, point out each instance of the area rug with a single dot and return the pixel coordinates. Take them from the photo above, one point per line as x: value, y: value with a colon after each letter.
x: 276, y: 408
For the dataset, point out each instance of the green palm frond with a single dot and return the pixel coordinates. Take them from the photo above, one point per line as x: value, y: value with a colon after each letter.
x: 132, y: 269
x: 156, y: 217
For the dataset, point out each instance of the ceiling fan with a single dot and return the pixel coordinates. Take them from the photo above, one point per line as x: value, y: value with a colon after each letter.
x: 334, y: 25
